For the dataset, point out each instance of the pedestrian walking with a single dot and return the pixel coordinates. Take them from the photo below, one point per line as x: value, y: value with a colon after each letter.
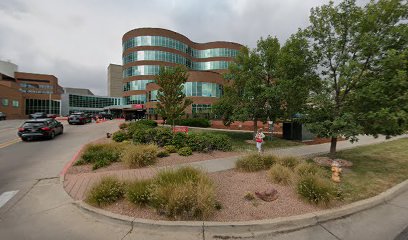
x: 259, y: 139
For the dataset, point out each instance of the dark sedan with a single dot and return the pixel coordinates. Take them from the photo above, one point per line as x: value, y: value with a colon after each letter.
x: 40, y: 128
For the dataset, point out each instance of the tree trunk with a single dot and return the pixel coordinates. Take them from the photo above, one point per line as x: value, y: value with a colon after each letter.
x: 255, y: 127
x: 333, y: 145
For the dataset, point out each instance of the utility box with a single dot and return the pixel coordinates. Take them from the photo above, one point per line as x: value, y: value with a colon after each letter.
x: 296, y: 131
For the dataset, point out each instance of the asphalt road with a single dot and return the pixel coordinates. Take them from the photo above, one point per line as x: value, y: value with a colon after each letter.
x: 22, y: 164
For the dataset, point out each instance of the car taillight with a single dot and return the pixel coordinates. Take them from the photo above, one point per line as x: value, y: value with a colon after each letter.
x: 21, y: 129
x: 46, y: 129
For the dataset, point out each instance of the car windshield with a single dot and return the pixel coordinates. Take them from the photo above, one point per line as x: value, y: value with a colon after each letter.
x: 33, y: 124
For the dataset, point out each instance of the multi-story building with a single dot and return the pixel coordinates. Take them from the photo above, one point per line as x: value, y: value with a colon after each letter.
x: 24, y: 93
x: 145, y: 50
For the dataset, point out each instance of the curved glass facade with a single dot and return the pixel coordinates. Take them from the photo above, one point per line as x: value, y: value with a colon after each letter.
x: 136, y: 99
x: 141, y: 70
x: 160, y: 41
x: 153, y: 96
x: 156, y: 56
x: 202, y: 89
x: 136, y: 85
x: 154, y: 69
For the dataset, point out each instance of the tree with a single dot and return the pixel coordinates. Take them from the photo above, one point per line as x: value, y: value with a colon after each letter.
x: 360, y: 55
x: 172, y: 100
x: 268, y: 82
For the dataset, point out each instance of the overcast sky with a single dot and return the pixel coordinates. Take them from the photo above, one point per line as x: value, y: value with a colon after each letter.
x: 76, y: 40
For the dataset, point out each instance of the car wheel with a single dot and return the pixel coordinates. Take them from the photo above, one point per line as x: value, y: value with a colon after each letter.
x: 62, y: 130
x: 52, y: 136
x: 24, y: 139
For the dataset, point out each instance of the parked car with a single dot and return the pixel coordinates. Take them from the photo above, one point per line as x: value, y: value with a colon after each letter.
x: 105, y: 115
x: 79, y: 118
x: 40, y: 128
x: 2, y: 116
x: 38, y: 115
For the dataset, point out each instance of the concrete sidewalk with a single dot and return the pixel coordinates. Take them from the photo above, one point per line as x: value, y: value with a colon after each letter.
x: 77, y: 185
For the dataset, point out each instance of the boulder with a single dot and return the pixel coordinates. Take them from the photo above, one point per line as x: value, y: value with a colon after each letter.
x: 268, y: 195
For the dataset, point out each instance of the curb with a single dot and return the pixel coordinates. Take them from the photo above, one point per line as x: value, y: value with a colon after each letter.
x: 282, y: 224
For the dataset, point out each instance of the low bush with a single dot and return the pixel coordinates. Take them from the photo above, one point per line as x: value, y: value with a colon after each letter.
x: 179, y: 140
x: 290, y: 162
x: 205, y: 142
x: 255, y: 162
x: 170, y: 148
x: 163, y: 136
x: 140, y: 155
x: 185, y: 151
x: 147, y: 122
x: 101, y: 154
x: 304, y: 169
x: 193, y: 122
x: 119, y: 136
x: 107, y: 191
x: 281, y: 174
x: 135, y: 127
x: 185, y: 194
x: 123, y: 126
x: 163, y: 154
x: 316, y: 189
x: 138, y: 192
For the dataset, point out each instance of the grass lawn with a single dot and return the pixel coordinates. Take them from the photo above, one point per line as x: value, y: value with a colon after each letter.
x: 376, y: 168
x: 239, y: 140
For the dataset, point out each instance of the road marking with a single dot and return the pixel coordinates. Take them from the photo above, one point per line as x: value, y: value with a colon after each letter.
x: 11, y: 142
x: 6, y: 196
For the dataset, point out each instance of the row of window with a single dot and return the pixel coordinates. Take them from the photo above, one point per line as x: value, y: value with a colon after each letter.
x: 174, y: 44
x: 155, y: 69
x: 29, y: 85
x: 92, y: 101
x: 173, y: 58
x: 201, y: 108
x: 136, y: 85
x: 40, y: 105
x: 14, y: 103
x: 36, y: 91
x: 190, y: 89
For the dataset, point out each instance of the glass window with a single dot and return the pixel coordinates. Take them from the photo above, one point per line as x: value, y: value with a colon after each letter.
x: 5, y: 102
x: 16, y: 103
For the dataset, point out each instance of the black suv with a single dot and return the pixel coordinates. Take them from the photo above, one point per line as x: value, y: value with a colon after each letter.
x: 105, y: 115
x: 38, y: 115
x: 40, y: 128
x: 79, y: 118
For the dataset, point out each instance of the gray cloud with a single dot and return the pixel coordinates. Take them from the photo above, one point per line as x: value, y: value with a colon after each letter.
x: 76, y: 40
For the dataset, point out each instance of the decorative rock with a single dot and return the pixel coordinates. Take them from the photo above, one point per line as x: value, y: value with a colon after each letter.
x: 268, y: 195
x: 326, y: 161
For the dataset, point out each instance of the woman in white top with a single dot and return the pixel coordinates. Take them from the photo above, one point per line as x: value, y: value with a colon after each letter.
x: 259, y: 139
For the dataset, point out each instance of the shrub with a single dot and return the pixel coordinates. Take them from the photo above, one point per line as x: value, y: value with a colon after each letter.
x: 255, y: 162
x: 280, y: 174
x: 185, y: 151
x: 193, y: 122
x: 163, y: 154
x: 135, y: 127
x: 316, y: 189
x: 138, y: 192
x: 179, y: 140
x: 101, y: 154
x: 170, y: 148
x: 107, y: 191
x: 140, y: 155
x: 205, y: 142
x: 139, y: 135
x: 163, y: 136
x: 186, y: 193
x: 303, y: 169
x: 147, y: 122
x: 123, y: 126
x: 290, y: 162
x: 119, y: 136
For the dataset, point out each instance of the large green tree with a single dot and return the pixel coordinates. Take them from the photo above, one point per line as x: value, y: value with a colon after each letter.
x: 171, y: 99
x: 361, y: 59
x: 269, y: 81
